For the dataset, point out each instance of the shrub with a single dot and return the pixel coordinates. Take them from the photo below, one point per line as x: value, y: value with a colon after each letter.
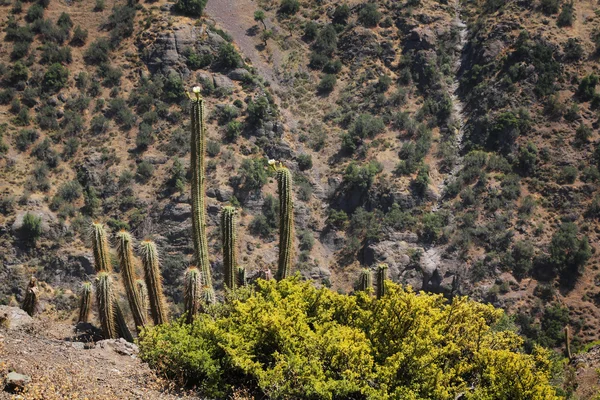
x: 568, y: 253
x: 327, y: 83
x: 252, y: 175
x: 97, y: 52
x: 369, y: 16
x: 70, y: 191
x: 341, y: 14
x: 289, y: 7
x: 568, y: 174
x: 193, y: 8
x: 228, y: 57
x: 326, y: 42
x: 213, y: 148
x: 260, y: 226
x: 120, y: 23
x: 348, y: 347
x: 144, y: 171
x: 361, y: 177
x: 367, y: 126
x: 55, y: 78
x: 583, y: 133
x: 64, y: 21
x: 47, y: 118
x: 80, y: 36
x: 587, y: 87
x: 44, y: 152
x: 52, y: 53
x: 25, y: 138
x: 306, y: 240
x: 549, y: 6
x: 34, y: 13
x: 31, y: 229
x: 99, y: 124
x: 305, y: 162
x: 573, y: 50
x: 521, y: 258
x: 233, y: 130
x: 20, y: 50
x: 318, y: 61
x: 566, y: 16
x: 258, y: 110
x: 528, y: 158
x: 99, y: 6
x: 311, y: 29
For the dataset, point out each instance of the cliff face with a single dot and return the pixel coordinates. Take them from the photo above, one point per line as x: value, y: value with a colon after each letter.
x: 454, y: 141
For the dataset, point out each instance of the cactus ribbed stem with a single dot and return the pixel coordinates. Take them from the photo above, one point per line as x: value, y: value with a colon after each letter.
x: 106, y: 305
x: 153, y: 282
x: 241, y: 276
x: 30, y: 303
x: 192, y: 292
x: 142, y: 292
x: 100, y: 248
x: 365, y: 280
x: 568, y: 342
x: 286, y: 220
x: 125, y: 254
x: 228, y: 234
x: 381, y: 278
x: 198, y: 154
x: 85, y: 303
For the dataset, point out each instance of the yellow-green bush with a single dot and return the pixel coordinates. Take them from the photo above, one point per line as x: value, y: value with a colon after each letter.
x: 290, y: 340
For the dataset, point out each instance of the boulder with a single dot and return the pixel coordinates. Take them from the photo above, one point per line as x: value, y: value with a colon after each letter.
x: 178, y: 211
x: 15, y: 382
x: 119, y: 346
x: 48, y: 219
x: 392, y: 253
x: 14, y: 318
x: 222, y: 81
x: 239, y: 74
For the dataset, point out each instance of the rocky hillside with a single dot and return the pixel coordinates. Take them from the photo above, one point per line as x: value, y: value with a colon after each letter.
x: 454, y: 141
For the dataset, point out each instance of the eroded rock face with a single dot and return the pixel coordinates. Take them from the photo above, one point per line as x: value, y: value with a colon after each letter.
x: 14, y: 318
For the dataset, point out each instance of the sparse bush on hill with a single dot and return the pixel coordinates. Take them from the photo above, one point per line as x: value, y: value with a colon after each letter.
x: 289, y: 7
x: 369, y: 15
x: 193, y: 8
x: 31, y: 229
x: 337, y: 346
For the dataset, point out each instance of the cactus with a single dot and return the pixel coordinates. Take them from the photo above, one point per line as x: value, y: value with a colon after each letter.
x: 106, y: 305
x: 286, y: 219
x: 30, y: 303
x: 381, y: 278
x: 228, y: 235
x: 153, y: 282
x: 198, y: 144
x: 568, y: 342
x: 125, y: 254
x: 142, y: 292
x: 241, y: 276
x: 192, y: 292
x: 85, y: 304
x: 365, y: 280
x: 100, y: 248
x: 122, y: 329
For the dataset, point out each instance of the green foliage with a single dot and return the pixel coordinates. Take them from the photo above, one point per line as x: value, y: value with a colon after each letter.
x: 144, y: 171
x: 369, y: 15
x: 311, y: 29
x: 568, y: 175
x: 252, y: 175
x: 34, y: 13
x: 521, y: 258
x: 228, y: 56
x: 573, y: 50
x: 568, y: 253
x: 566, y: 16
x: 549, y: 6
x: 55, y: 78
x: 327, y: 83
x: 289, y: 7
x: 305, y: 162
x: 290, y: 340
x: 97, y: 52
x: 326, y: 42
x: 192, y: 8
x: 31, y: 230
x: 25, y: 138
x: 587, y: 87
x: 361, y: 177
x: 341, y: 14
x: 233, y: 130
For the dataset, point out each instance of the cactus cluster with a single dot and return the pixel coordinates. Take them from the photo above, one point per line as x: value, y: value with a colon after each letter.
x: 85, y: 303
x: 286, y: 219
x: 126, y: 259
x: 30, y: 303
x: 198, y: 154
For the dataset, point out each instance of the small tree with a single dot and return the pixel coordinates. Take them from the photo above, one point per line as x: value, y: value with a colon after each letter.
x: 568, y: 253
x: 259, y: 16
x: 289, y: 7
x: 31, y: 228
x: 369, y: 16
x: 192, y: 8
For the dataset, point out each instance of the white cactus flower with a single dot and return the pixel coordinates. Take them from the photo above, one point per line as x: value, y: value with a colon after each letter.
x: 271, y: 162
x: 196, y: 89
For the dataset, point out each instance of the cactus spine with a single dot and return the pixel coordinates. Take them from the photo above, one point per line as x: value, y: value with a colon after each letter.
x: 30, y: 303
x: 192, y: 292
x: 142, y: 292
x: 153, y: 282
x: 198, y: 142
x: 106, y: 305
x: 286, y: 219
x: 100, y: 248
x: 125, y: 254
x: 85, y: 303
x: 228, y: 234
x: 241, y: 276
x: 365, y: 280
x: 381, y: 278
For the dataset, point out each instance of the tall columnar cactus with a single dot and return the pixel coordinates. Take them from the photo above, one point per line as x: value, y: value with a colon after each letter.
x: 381, y: 278
x: 241, y: 276
x: 153, y: 282
x: 192, y: 293
x: 85, y: 303
x: 568, y: 342
x: 228, y: 234
x: 286, y: 219
x: 365, y: 280
x: 100, y: 248
x: 125, y: 254
x: 198, y: 144
x: 142, y: 292
x: 106, y: 305
x: 30, y: 303
x: 122, y: 329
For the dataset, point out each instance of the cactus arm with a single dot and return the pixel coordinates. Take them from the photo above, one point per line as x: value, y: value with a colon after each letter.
x: 106, y: 306
x: 192, y: 293
x: 85, y: 303
x: 228, y: 234
x: 153, y: 282
x: 100, y: 248
x: 365, y: 281
x: 126, y: 259
x: 286, y: 222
